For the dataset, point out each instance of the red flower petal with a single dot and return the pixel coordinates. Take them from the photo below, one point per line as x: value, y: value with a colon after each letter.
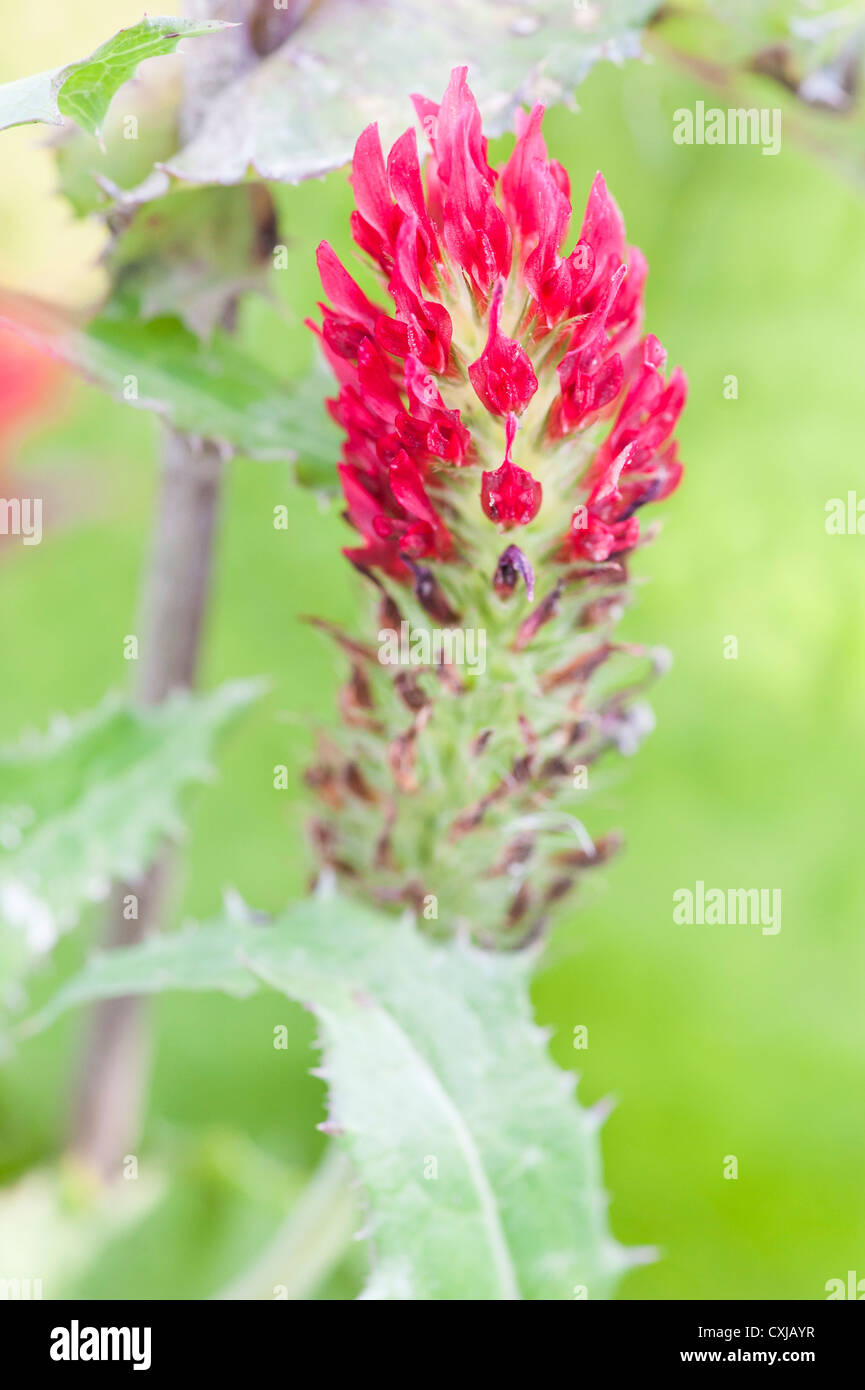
x: 503, y: 376
x: 510, y: 495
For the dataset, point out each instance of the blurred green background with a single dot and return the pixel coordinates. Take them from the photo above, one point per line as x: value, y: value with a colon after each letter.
x: 715, y: 1040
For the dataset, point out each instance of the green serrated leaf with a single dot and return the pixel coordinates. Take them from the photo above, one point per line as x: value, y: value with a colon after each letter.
x: 83, y: 91
x: 481, y: 1175
x: 211, y: 389
x: 91, y: 800
x: 299, y: 112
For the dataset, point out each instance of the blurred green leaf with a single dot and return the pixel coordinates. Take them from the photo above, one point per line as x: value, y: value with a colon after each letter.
x: 52, y: 1227
x: 91, y: 800
x: 464, y: 1135
x: 83, y: 91
x: 181, y: 1229
x: 212, y: 389
x: 192, y: 252
x: 222, y: 1199
x: 300, y: 111
x: 94, y: 172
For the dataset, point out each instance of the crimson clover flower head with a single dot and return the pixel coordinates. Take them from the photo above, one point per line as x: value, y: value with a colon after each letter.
x: 505, y: 387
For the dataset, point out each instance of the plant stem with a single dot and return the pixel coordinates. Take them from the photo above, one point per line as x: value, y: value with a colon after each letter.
x: 109, y: 1096
x: 114, y: 1071
x: 310, y: 1241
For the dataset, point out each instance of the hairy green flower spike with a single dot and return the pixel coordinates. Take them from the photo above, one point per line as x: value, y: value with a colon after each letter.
x: 505, y: 421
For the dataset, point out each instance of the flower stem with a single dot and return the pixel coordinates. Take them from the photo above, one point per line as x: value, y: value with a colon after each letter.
x: 108, y: 1098
x: 108, y: 1101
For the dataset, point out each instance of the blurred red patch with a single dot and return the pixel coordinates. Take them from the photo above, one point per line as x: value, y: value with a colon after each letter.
x: 29, y: 380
